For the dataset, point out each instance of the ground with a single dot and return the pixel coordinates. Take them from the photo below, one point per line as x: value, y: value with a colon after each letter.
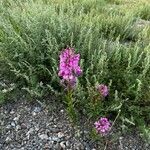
x: 28, y: 125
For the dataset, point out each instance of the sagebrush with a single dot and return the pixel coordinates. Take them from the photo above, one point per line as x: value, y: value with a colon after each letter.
x: 114, y: 50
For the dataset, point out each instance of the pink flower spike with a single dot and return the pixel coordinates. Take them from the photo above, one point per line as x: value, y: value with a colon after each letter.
x: 69, y: 67
x: 102, y: 126
x: 102, y: 89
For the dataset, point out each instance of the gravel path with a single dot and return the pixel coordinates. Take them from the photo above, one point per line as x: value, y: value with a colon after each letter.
x: 29, y: 126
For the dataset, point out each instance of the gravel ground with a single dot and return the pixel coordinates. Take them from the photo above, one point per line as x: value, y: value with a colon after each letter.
x: 30, y: 126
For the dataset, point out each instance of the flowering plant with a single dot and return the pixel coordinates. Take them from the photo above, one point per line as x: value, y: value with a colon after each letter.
x: 69, y: 70
x: 102, y: 89
x: 102, y: 126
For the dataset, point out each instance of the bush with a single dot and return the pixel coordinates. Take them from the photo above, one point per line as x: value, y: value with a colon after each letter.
x: 32, y: 34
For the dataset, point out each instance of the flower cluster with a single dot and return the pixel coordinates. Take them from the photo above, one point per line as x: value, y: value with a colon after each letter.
x: 69, y: 67
x: 102, y: 126
x: 103, y: 89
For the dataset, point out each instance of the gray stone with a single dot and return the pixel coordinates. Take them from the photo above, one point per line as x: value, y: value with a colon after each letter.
x: 12, y: 112
x: 31, y: 131
x: 51, y: 143
x: 60, y: 135
x: 53, y: 138
x: 13, y: 124
x: 23, y: 126
x: 18, y: 127
x: 79, y: 146
x: 67, y: 143
x: 54, y: 130
x: 62, y: 144
x: 33, y: 114
x: 43, y: 136
x: 8, y: 140
x: 57, y: 146
x: 62, y: 111
x: 8, y: 126
x: 37, y: 109
x: 16, y: 118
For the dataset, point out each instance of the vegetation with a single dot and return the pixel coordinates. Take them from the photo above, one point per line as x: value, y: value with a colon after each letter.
x: 112, y: 42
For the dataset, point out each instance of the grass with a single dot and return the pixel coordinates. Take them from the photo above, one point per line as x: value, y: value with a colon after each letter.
x: 114, y: 50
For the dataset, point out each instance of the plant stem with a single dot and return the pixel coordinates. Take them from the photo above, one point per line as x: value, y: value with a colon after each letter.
x: 115, y: 119
x: 105, y: 145
x: 70, y: 109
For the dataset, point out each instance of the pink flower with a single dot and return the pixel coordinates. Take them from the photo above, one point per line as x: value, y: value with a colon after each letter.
x: 102, y: 126
x: 69, y: 67
x: 103, y: 89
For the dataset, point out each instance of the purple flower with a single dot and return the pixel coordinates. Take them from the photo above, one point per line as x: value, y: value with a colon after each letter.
x: 102, y: 126
x: 69, y: 67
x: 103, y: 89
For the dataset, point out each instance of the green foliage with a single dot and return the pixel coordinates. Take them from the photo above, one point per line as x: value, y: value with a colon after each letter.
x: 113, y: 52
x: 144, y: 12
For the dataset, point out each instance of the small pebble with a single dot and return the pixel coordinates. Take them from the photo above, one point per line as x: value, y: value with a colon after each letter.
x: 54, y: 139
x: 57, y: 146
x: 62, y: 111
x: 8, y: 139
x: 16, y: 118
x: 8, y: 126
x: 43, y: 136
x: 12, y: 112
x: 62, y: 144
x: 37, y: 109
x: 23, y: 126
x: 13, y: 124
x: 67, y: 143
x: 46, y: 146
x: 18, y: 127
x: 33, y: 114
x: 60, y: 135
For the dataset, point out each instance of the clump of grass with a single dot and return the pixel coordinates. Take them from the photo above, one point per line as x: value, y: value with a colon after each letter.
x: 144, y: 12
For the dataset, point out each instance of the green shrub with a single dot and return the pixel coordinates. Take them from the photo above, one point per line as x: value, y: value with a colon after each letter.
x: 32, y: 34
x: 144, y: 12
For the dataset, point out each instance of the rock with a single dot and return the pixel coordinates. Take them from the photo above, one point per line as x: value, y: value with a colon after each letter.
x: 13, y: 124
x: 67, y: 143
x: 23, y: 126
x: 62, y: 144
x: 8, y: 140
x: 57, y: 146
x: 31, y: 130
x: 12, y: 112
x: 62, y: 111
x: 18, y: 127
x: 55, y: 139
x: 16, y: 118
x: 120, y: 143
x: 33, y: 114
x: 51, y: 143
x: 54, y: 130
x: 60, y: 135
x: 46, y: 147
x: 43, y: 136
x: 8, y: 126
x: 36, y: 128
x: 37, y: 109
x: 79, y: 146
x: 55, y: 126
x: 86, y: 145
